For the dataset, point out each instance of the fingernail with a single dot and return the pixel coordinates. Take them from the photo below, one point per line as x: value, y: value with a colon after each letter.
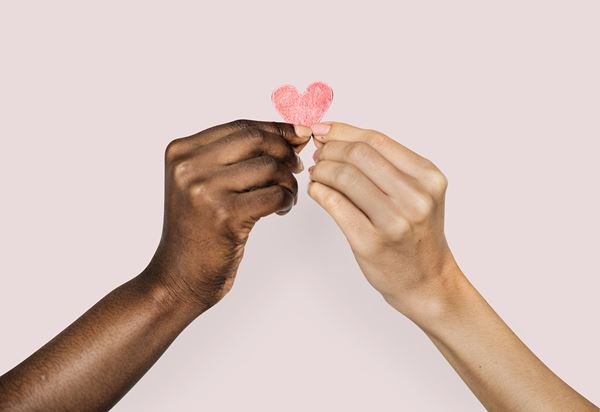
x: 300, y: 163
x: 319, y: 138
x: 320, y: 129
x: 310, y: 169
x: 316, y: 155
x: 317, y: 144
x: 302, y: 131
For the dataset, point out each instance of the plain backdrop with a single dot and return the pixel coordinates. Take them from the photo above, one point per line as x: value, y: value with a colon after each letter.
x: 503, y: 96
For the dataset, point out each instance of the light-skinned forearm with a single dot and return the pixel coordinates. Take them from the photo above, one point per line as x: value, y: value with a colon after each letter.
x: 500, y: 370
x: 389, y: 202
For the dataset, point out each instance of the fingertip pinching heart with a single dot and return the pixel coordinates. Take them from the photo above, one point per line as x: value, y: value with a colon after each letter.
x: 306, y: 108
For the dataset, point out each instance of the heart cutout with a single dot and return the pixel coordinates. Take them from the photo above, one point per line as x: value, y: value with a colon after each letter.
x: 304, y: 109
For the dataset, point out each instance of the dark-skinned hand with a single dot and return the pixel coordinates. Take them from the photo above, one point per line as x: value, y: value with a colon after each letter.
x: 219, y: 183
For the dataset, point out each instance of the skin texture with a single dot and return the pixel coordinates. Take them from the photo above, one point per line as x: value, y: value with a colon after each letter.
x: 389, y: 203
x: 387, y: 200
x: 218, y: 184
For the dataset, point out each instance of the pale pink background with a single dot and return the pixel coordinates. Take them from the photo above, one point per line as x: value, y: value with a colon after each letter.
x: 503, y: 96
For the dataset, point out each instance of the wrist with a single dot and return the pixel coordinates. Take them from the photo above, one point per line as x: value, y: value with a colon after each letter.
x: 168, y: 299
x: 438, y: 300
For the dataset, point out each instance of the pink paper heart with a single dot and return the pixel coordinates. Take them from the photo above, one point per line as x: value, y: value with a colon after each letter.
x: 305, y: 109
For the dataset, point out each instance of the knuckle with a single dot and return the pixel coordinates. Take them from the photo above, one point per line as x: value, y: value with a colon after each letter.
x: 292, y: 182
x: 331, y: 200
x: 286, y: 179
x: 291, y: 158
x: 435, y: 179
x: 358, y: 151
x: 242, y: 124
x: 200, y: 193
x: 424, y: 205
x: 374, y: 138
x: 398, y: 228
x: 279, y: 197
x: 279, y: 128
x: 182, y: 172
x: 203, y: 197
x: 256, y: 135
x: 269, y: 163
x: 345, y: 175
x: 173, y: 149
x: 280, y: 194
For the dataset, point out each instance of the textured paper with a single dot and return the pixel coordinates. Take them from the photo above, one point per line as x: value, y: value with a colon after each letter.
x: 305, y: 109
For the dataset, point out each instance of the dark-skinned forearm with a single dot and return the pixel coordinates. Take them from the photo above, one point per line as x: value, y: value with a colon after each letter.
x: 218, y: 183
x: 97, y: 359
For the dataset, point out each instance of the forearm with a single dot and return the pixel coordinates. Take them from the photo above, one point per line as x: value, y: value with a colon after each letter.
x: 218, y: 183
x: 97, y: 359
x: 496, y: 365
x: 389, y: 202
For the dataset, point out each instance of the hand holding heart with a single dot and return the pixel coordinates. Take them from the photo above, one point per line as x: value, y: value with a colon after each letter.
x: 219, y: 183
x: 388, y: 200
x: 389, y: 203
